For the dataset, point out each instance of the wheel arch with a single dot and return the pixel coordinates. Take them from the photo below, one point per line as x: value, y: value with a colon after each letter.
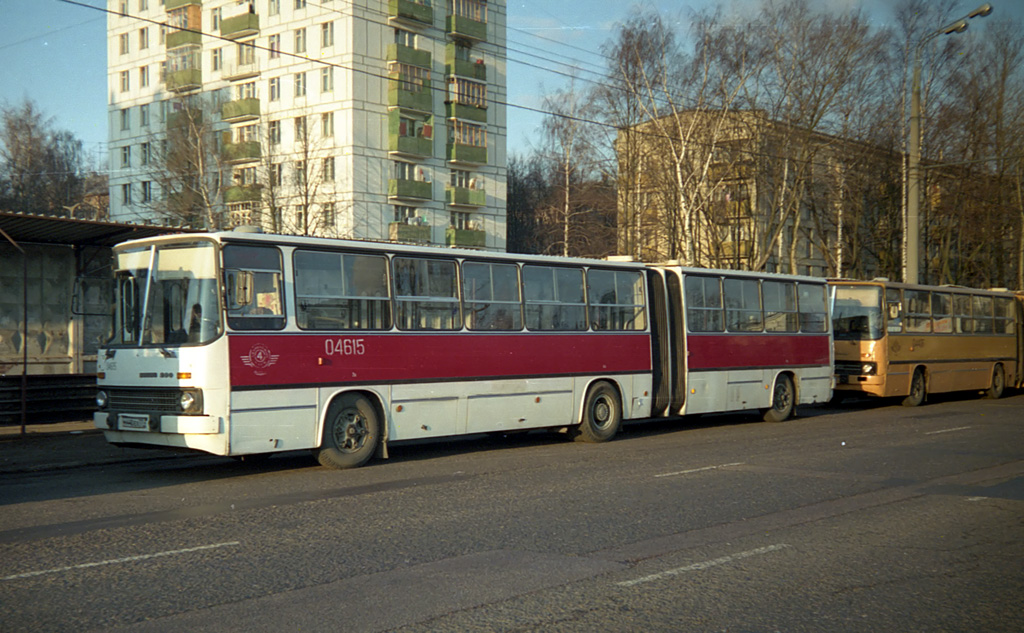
x: 375, y: 398
x: 582, y: 396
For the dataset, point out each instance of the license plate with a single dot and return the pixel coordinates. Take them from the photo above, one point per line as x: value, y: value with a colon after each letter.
x: 844, y: 380
x: 128, y: 422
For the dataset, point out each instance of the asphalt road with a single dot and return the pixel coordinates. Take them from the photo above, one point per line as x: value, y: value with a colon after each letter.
x: 871, y: 517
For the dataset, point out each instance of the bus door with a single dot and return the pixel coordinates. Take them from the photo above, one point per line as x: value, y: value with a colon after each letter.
x: 677, y: 351
x: 661, y: 341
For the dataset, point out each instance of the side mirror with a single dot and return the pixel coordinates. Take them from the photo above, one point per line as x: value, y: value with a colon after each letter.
x: 239, y: 286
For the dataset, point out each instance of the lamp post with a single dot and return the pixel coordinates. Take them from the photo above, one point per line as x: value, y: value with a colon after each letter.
x: 912, y: 236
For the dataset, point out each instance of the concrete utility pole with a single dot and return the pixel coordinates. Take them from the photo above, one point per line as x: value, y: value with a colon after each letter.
x: 912, y: 238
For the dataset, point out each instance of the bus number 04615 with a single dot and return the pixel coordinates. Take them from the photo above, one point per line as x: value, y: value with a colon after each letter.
x: 344, y: 347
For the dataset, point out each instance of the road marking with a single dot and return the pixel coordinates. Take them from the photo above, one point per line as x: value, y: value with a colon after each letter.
x: 697, y: 470
x: 959, y: 428
x: 115, y: 561
x: 704, y: 565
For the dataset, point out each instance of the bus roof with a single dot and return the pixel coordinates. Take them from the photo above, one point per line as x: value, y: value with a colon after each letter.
x: 885, y: 283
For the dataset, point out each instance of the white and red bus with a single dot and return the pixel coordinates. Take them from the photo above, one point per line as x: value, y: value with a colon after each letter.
x: 240, y: 343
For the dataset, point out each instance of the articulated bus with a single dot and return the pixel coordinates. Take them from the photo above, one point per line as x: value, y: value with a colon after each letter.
x: 900, y: 340
x: 239, y: 343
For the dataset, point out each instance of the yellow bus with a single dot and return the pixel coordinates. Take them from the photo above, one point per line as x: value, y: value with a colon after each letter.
x: 902, y: 340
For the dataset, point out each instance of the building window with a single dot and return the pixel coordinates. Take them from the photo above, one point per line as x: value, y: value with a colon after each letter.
x: 300, y: 4
x: 123, y: 43
x: 328, y: 169
x: 126, y: 81
x: 274, y: 44
x: 245, y: 176
x: 144, y: 115
x: 276, y: 174
x: 327, y: 34
x: 217, y: 56
x: 143, y: 5
x: 300, y: 84
x: 246, y: 54
x: 405, y: 38
x: 327, y: 210
x: 300, y: 128
x: 473, y: 9
x: 467, y: 92
x: 274, y: 8
x: 327, y: 124
x: 405, y: 214
x: 162, y: 34
x: 463, y: 179
x: 126, y: 120
x: 147, y: 191
x: 126, y: 156
x: 143, y: 39
x: 247, y: 133
x: 246, y: 90
x: 144, y: 76
x: 126, y: 194
x: 464, y: 133
x: 410, y: 78
x: 460, y: 220
x: 403, y: 171
x: 275, y: 88
x: 300, y: 40
x: 215, y: 18
x: 327, y: 79
x: 274, y: 132
x: 146, y: 153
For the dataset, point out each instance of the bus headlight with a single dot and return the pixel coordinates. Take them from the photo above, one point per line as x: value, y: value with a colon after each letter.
x: 101, y: 399
x: 868, y: 369
x: 191, y: 401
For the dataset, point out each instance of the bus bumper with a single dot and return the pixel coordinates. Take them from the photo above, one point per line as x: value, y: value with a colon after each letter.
x: 179, y: 424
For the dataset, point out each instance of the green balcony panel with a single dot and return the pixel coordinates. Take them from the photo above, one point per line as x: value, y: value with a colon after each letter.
x: 464, y: 27
x: 413, y: 145
x: 242, y: 152
x: 470, y: 238
x: 408, y: 55
x: 184, y: 80
x: 240, y: 110
x: 183, y: 38
x: 473, y: 69
x: 402, y: 232
x: 467, y: 112
x: 242, y: 193
x: 170, y: 5
x: 466, y: 197
x: 421, y: 100
x: 467, y: 153
x: 240, y: 26
x: 400, y: 188
x: 409, y: 10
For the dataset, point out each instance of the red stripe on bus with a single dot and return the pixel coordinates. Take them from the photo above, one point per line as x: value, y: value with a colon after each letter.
x: 711, y: 351
x: 268, y: 359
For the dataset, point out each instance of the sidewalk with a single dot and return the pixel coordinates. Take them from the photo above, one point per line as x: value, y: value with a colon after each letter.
x: 62, y: 445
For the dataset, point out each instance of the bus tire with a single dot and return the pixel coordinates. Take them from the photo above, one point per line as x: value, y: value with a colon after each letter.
x: 995, y: 390
x: 351, y: 432
x: 602, y: 414
x: 783, y: 400
x: 917, y: 390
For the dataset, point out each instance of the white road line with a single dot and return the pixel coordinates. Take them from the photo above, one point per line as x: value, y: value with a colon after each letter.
x: 704, y: 565
x: 115, y: 561
x: 959, y: 428
x: 697, y: 470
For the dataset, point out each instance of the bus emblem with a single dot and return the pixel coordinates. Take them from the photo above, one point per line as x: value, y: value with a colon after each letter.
x: 259, y: 358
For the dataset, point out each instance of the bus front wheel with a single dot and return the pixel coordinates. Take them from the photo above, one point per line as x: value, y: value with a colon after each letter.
x: 351, y: 433
x: 995, y: 391
x: 917, y: 390
x: 783, y: 400
x: 602, y: 414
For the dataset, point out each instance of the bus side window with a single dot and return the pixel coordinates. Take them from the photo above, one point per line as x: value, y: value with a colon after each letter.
x: 742, y: 305
x: 962, y: 314
x: 703, y: 296
x: 813, y: 308
x: 894, y: 310
x: 490, y: 295
x: 341, y: 291
x: 554, y: 298
x: 253, y: 276
x: 426, y: 294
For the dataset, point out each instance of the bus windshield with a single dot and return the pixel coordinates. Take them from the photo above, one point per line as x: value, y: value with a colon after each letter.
x: 857, y: 313
x: 167, y: 295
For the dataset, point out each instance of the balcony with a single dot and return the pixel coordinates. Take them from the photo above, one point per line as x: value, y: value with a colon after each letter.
x: 184, y: 80
x: 410, y: 10
x: 463, y: 197
x: 240, y: 110
x: 408, y: 55
x: 403, y: 232
x: 472, y: 69
x: 170, y: 5
x: 177, y: 38
x: 466, y: 112
x: 421, y: 100
x: 466, y: 28
x: 242, y: 193
x: 242, y: 152
x: 468, y: 238
x: 240, y: 70
x: 413, y: 189
x: 239, y: 26
x: 459, y: 153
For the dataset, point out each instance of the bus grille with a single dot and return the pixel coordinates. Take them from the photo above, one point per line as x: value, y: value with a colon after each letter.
x: 848, y: 368
x: 149, y: 400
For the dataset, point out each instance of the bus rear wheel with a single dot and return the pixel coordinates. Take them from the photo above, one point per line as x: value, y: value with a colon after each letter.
x: 917, y: 390
x: 783, y: 400
x: 351, y: 433
x: 602, y: 414
x: 995, y: 391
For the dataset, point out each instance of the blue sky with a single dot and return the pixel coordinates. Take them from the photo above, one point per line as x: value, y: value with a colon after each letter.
x: 54, y: 53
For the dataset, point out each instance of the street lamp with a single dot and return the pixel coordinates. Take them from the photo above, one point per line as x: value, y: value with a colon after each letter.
x: 912, y: 236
